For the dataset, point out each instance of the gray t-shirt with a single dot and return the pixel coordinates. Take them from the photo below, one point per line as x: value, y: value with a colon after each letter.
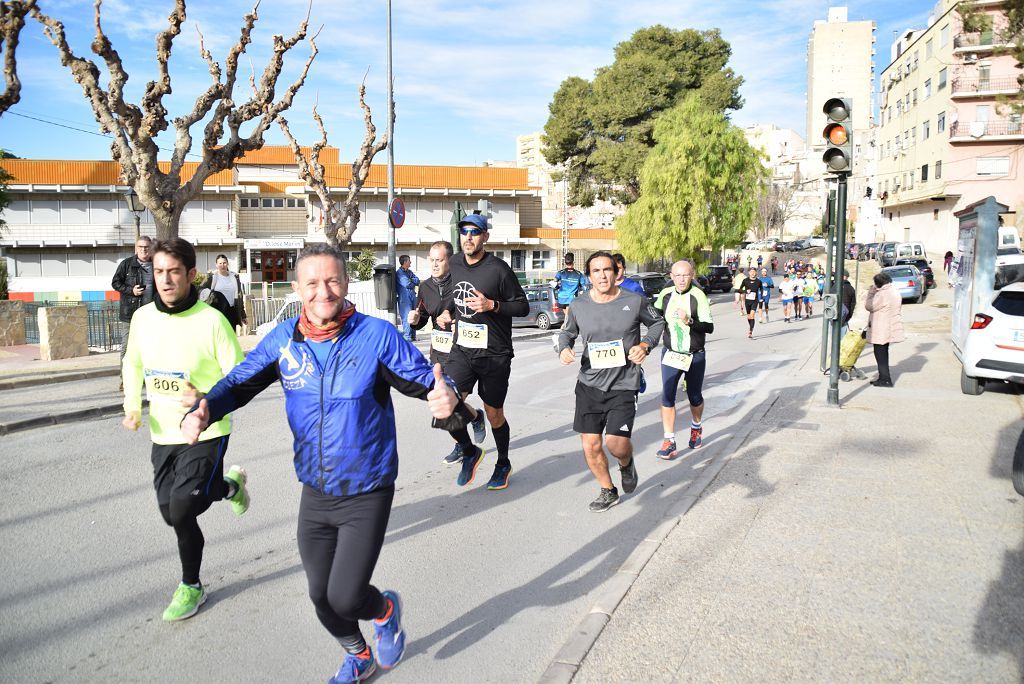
x: 616, y: 322
x: 147, y: 278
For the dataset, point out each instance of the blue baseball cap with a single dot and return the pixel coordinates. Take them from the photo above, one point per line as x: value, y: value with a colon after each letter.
x: 475, y: 220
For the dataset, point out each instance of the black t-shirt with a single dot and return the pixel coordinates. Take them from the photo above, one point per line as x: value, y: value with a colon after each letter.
x: 493, y: 278
x: 750, y: 285
x: 433, y: 299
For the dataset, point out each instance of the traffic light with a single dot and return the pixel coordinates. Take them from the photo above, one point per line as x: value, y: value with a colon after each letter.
x: 831, y: 302
x: 838, y: 135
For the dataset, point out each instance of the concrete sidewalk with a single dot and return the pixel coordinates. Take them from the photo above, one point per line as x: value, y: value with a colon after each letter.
x: 879, y: 541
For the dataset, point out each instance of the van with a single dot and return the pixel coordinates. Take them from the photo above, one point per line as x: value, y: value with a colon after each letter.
x: 911, y: 250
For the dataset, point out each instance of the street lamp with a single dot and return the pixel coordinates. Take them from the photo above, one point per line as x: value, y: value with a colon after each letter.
x: 134, y: 206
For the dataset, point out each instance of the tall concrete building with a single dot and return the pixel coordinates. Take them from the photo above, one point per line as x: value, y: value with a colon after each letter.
x: 840, y: 62
x: 945, y: 140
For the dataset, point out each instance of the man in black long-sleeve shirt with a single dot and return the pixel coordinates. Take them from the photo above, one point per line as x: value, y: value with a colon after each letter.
x: 486, y: 296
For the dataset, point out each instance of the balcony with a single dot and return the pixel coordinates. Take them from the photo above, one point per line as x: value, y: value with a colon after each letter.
x: 1000, y: 129
x: 974, y: 42
x: 974, y: 86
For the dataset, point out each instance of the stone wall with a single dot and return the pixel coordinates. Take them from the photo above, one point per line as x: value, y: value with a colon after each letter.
x: 12, y: 323
x: 63, y: 332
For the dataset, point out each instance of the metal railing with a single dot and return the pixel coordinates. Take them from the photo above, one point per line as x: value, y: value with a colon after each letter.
x: 981, y: 85
x: 103, y: 325
x: 977, y: 39
x: 980, y: 129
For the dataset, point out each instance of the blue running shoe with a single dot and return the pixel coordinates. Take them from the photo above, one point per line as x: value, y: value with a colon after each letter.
x: 668, y: 450
x: 470, y: 462
x: 479, y: 427
x: 454, y: 457
x: 389, y: 637
x: 355, y: 668
x: 695, y: 437
x: 499, y: 480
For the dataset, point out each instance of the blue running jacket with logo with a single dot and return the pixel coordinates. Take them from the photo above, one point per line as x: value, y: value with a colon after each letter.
x: 341, y: 416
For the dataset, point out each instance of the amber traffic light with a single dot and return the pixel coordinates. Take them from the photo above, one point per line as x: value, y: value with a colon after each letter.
x: 838, y: 135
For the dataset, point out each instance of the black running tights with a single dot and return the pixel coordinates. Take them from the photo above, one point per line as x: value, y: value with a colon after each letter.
x: 340, y: 538
x: 182, y: 514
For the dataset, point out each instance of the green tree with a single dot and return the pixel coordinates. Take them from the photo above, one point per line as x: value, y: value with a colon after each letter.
x: 361, y: 268
x: 601, y: 131
x: 698, y: 187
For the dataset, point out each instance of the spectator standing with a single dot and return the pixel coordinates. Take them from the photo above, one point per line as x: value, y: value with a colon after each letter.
x: 407, y: 284
x: 885, y: 324
x: 133, y: 280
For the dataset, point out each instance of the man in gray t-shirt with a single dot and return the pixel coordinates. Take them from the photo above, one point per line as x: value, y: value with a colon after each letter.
x: 608, y: 319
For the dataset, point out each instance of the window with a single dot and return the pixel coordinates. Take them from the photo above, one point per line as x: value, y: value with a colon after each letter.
x: 916, y: 54
x: 541, y: 257
x: 981, y: 113
x: 928, y: 49
x: 944, y: 36
x: 913, y: 135
x: 518, y: 259
x: 74, y: 211
x: 924, y: 173
x: 993, y: 166
x: 942, y: 79
x: 927, y: 89
x: 293, y: 203
x: 278, y: 203
x: 935, y: 214
x: 899, y: 106
x: 938, y: 170
x: 267, y: 203
x: 940, y: 122
x: 914, y: 99
x: 984, y: 76
x: 45, y: 212
x: 54, y: 265
x: 926, y: 130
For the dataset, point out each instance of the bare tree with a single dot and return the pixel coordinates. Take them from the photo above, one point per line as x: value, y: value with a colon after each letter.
x: 775, y: 207
x: 339, y: 223
x: 161, y: 187
x: 12, y: 20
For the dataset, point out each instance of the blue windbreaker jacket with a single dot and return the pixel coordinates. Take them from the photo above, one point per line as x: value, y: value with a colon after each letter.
x: 341, y: 416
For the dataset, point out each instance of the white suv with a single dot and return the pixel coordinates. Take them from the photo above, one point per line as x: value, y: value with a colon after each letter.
x: 994, y: 346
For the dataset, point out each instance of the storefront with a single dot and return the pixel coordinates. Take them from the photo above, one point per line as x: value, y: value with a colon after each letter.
x: 272, y: 260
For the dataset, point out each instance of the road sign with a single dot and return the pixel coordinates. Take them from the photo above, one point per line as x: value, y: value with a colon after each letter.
x: 396, y: 212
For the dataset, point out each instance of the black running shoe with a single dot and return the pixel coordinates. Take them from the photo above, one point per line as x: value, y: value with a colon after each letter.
x: 604, y: 501
x: 629, y: 476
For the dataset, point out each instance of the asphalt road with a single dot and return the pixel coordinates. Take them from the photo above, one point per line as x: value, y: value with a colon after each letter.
x: 493, y: 582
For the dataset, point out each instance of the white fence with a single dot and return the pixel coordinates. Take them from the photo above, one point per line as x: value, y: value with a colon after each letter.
x: 360, y: 294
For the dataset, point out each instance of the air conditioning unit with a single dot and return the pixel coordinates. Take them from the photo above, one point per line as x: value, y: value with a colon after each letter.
x: 971, y: 58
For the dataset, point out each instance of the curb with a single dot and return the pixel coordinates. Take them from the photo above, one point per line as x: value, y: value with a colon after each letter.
x: 50, y: 378
x: 69, y: 417
x: 570, y: 656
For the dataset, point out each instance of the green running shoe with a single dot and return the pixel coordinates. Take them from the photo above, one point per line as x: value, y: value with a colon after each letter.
x: 240, y: 501
x: 185, y: 603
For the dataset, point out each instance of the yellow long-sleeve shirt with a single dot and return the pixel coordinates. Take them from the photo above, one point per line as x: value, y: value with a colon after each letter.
x: 168, y: 350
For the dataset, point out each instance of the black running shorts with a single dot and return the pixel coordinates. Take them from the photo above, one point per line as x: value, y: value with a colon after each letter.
x: 181, y: 471
x: 610, y: 412
x: 751, y: 305
x: 488, y: 373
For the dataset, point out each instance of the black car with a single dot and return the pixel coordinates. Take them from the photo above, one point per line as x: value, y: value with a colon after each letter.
x: 718, y: 278
x: 923, y: 266
x: 652, y: 282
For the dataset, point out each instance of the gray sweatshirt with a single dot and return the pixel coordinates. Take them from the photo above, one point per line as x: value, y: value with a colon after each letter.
x: 615, y: 321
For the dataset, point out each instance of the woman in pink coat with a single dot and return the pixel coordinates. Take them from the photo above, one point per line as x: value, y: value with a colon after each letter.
x: 885, y: 324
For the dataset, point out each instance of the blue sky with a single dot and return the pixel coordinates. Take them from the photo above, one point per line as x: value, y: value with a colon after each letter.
x: 469, y: 77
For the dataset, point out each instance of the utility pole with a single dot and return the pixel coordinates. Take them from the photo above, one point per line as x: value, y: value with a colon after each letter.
x: 833, y: 378
x: 830, y: 242
x: 392, y: 256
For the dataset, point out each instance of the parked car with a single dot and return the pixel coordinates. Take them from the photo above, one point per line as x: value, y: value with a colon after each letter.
x: 909, y: 281
x: 545, y: 312
x: 769, y: 244
x: 994, y: 346
x: 923, y: 267
x: 816, y: 242
x: 718, y: 278
x: 885, y: 254
x: 798, y: 245
x: 652, y: 282
x: 869, y: 251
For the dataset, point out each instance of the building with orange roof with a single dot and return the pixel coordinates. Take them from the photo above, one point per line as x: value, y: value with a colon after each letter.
x: 69, y: 224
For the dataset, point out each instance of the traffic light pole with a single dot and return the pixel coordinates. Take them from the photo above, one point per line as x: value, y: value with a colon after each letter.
x: 833, y: 379
x: 830, y: 242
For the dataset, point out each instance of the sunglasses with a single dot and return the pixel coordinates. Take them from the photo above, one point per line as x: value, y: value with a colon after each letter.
x: 471, y: 232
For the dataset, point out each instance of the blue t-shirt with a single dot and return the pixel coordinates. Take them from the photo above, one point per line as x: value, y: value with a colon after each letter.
x: 767, y: 283
x: 569, y: 284
x: 321, y: 350
x: 632, y: 286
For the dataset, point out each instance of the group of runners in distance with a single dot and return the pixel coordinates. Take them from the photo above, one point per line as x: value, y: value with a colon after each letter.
x: 337, y: 367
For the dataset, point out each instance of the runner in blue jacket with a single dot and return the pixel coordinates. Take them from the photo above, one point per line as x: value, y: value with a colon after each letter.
x: 337, y: 367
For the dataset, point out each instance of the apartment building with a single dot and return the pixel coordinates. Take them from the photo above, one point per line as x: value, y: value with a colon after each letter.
x: 944, y: 139
x: 69, y: 224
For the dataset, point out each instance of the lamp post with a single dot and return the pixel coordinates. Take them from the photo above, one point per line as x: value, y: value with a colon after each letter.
x: 134, y: 206
x: 392, y: 251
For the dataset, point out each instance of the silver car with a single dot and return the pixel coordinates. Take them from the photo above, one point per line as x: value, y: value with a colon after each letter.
x: 909, y: 281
